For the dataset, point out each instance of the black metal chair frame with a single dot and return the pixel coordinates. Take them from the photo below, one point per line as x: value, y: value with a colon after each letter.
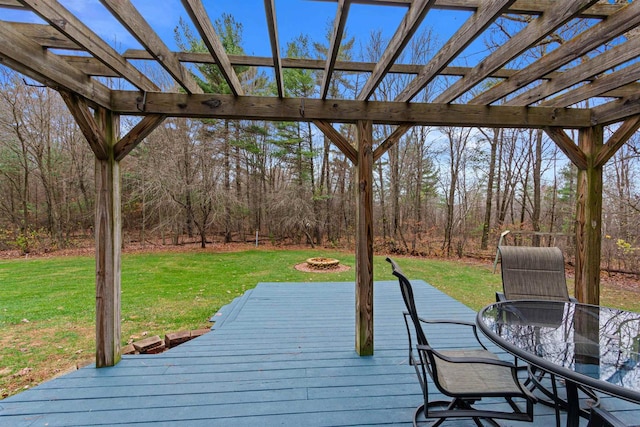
x: 426, y: 366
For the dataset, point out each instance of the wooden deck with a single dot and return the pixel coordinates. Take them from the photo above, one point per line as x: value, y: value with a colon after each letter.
x: 282, y: 354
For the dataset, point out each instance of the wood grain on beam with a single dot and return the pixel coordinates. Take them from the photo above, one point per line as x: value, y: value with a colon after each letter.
x: 401, y: 37
x: 390, y: 141
x: 568, y: 147
x: 136, y: 135
x: 617, y: 140
x: 201, y: 20
x: 364, y: 241
x: 45, y: 35
x: 339, y: 141
x: 555, y: 16
x: 584, y: 71
x: 65, y: 22
x: 469, y: 31
x: 339, y: 24
x: 125, y: 12
x: 617, y: 110
x: 270, y: 10
x: 346, y: 111
x: 87, y: 124
x: 26, y: 56
x: 617, y: 24
x: 316, y: 64
x: 597, y: 87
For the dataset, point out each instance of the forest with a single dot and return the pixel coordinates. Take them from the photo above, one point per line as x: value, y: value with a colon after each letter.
x: 439, y: 191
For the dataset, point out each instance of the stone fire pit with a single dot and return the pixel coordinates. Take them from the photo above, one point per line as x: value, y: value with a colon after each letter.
x: 321, y: 265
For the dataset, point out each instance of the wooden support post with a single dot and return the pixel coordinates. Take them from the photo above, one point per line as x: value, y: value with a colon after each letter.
x: 589, y: 219
x: 108, y: 245
x: 364, y: 241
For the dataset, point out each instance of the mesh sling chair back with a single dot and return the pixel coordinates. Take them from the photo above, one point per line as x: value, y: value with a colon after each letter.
x: 532, y: 273
x: 464, y: 375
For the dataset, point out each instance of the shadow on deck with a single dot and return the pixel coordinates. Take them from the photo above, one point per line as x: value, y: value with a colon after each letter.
x: 282, y: 354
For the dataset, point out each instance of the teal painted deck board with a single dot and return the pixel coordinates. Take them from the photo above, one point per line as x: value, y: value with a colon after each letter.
x: 282, y: 354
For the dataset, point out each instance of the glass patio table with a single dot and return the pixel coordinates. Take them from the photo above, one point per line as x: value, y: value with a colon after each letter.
x: 587, y: 345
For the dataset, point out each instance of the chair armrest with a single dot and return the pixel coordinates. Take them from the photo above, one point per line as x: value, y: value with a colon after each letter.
x: 452, y: 322
x: 450, y: 359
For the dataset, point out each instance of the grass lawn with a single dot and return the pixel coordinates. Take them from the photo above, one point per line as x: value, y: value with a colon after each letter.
x: 47, y: 305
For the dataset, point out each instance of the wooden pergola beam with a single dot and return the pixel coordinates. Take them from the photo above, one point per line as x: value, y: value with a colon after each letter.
x: 582, y: 72
x: 135, y: 136
x: 604, y: 31
x: 65, y: 22
x: 345, y: 111
x: 17, y: 50
x: 338, y: 140
x: 409, y: 25
x: 568, y: 147
x: 522, y: 7
x: 364, y: 240
x: 201, y: 21
x: 589, y: 219
x: 133, y: 21
x: 486, y: 14
x: 270, y: 10
x: 555, y: 16
x: 87, y: 124
x: 390, y: 141
x: 339, y: 24
x: 617, y: 140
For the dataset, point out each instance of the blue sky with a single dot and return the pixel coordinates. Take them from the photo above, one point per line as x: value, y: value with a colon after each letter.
x: 294, y: 17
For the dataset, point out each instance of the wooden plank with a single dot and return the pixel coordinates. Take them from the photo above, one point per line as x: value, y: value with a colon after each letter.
x: 617, y: 24
x: 88, y: 126
x: 108, y: 247
x: 270, y: 11
x: 485, y: 15
x: 524, y: 7
x: 339, y: 24
x: 409, y: 25
x: 589, y: 219
x: 364, y: 241
x: 65, y: 22
x: 125, y: 12
x: 597, y: 87
x: 390, y: 141
x: 618, y: 110
x: 136, y: 135
x: 568, y: 147
x: 45, y: 35
x: 201, y: 21
x: 617, y: 140
x: 317, y: 64
x: 346, y: 111
x: 338, y: 140
x: 555, y: 16
x: 584, y: 71
x: 28, y: 57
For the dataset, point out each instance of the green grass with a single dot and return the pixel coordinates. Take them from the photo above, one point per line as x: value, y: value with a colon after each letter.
x: 47, y: 305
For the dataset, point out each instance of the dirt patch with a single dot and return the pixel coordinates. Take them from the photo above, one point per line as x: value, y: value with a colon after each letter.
x: 305, y: 267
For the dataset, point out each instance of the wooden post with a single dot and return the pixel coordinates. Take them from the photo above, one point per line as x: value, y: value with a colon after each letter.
x: 364, y: 241
x: 108, y: 245
x: 589, y: 218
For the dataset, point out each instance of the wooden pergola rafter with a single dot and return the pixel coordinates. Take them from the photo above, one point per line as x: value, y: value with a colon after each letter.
x: 580, y: 85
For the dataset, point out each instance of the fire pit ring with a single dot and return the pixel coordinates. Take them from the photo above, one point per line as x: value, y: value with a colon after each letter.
x: 322, y: 263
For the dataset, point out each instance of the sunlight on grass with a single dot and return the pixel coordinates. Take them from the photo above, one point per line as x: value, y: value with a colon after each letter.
x: 47, y: 305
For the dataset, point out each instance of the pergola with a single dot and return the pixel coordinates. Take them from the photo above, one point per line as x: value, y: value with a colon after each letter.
x: 545, y: 94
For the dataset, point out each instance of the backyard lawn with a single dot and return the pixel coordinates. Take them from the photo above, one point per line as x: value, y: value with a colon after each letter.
x: 47, y: 305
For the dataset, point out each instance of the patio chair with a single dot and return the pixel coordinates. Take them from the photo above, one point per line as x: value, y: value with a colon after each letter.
x: 464, y: 375
x: 537, y: 273
x: 532, y: 273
